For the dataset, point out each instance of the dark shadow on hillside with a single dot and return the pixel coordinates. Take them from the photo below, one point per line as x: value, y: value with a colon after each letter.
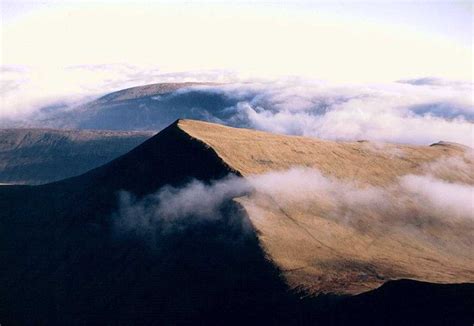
x: 64, y: 263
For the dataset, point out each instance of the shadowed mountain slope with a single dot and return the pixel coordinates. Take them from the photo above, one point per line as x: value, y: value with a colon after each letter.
x: 34, y: 156
x: 67, y: 262
x: 76, y: 267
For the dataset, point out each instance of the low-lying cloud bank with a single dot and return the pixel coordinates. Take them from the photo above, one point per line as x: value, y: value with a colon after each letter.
x: 415, y: 111
x: 397, y: 112
x: 28, y: 91
x: 413, y: 201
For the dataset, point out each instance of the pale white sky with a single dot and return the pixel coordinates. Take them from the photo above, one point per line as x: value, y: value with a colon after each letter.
x: 349, y: 41
x: 53, y: 49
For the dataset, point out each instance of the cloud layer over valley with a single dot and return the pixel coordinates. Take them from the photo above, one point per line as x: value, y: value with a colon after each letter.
x: 397, y: 112
x: 418, y: 111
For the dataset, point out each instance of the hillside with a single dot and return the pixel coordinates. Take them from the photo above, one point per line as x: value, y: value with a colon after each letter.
x: 340, y: 257
x: 147, y: 91
x: 34, y: 156
x: 148, y: 107
x: 90, y: 253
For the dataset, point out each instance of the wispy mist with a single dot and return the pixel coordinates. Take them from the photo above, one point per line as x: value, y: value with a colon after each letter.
x: 172, y: 208
x: 411, y: 201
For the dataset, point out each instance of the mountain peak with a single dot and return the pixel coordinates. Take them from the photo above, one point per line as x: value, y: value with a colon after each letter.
x: 321, y: 217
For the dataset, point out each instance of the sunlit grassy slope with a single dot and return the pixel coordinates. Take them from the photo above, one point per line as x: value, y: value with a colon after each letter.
x: 321, y: 248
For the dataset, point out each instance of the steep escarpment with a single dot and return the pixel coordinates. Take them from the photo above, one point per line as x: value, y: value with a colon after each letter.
x: 362, y: 217
x: 67, y: 262
x: 258, y: 258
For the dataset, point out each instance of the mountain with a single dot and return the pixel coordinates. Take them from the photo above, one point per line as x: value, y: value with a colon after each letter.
x: 346, y: 257
x: 34, y: 156
x: 98, y: 248
x: 147, y: 91
x: 148, y: 107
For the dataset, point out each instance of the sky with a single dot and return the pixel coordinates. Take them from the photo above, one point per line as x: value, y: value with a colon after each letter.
x: 53, y: 50
x: 342, y: 41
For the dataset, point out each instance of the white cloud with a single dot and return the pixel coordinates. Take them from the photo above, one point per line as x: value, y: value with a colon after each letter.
x: 392, y: 112
x: 407, y: 199
x: 409, y: 202
x: 24, y: 90
x: 419, y: 112
x: 416, y: 112
x: 453, y: 200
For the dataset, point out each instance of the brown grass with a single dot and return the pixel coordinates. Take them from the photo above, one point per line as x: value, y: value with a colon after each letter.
x: 318, y: 252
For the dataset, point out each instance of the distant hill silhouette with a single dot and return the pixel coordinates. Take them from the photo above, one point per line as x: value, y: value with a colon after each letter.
x: 34, y: 156
x: 148, y: 107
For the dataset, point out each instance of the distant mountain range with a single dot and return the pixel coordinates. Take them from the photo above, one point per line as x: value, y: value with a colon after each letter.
x: 148, y: 107
x: 34, y: 156
x: 99, y: 249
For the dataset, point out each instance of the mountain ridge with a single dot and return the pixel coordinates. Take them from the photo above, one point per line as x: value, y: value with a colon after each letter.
x: 43, y: 155
x: 255, y: 152
x: 76, y: 268
x: 148, y: 90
